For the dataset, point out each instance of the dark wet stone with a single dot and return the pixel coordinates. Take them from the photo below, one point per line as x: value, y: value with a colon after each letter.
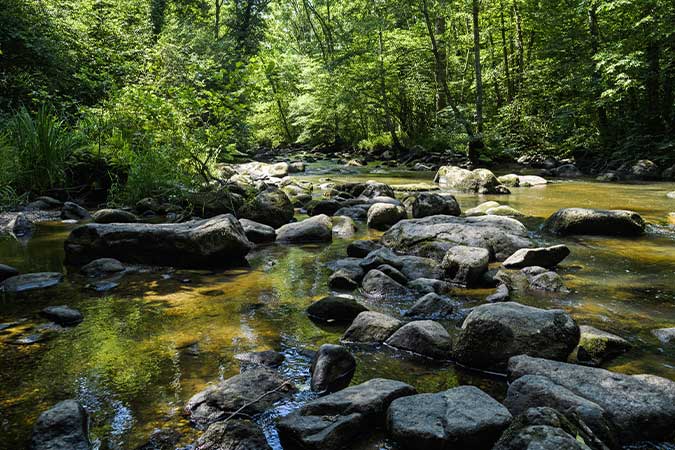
x: 371, y: 327
x: 465, y: 265
x: 73, y: 211
x: 335, y: 309
x: 314, y: 229
x: 63, y: 315
x: 424, y: 337
x: 379, y: 285
x: 258, y: 233
x: 270, y: 207
x: 327, y: 207
x: 63, y: 427
x: 569, y: 221
x: 361, y: 249
x: 113, y: 216
x: 597, y: 346
x: 267, y: 358
x: 542, y: 256
x: 31, y: 281
x: 102, y: 266
x: 103, y: 285
x: 332, y: 368
x: 235, y: 434
x: 162, y: 439
x: 393, y: 273
x: 7, y: 272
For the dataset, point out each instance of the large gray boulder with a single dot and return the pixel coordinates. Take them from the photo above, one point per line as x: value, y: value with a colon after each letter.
x: 464, y: 418
x: 270, y: 207
x: 242, y: 393
x: 433, y: 236
x: 258, y: 233
x: 332, y: 368
x: 424, y: 337
x: 234, y: 434
x: 63, y: 427
x: 374, y: 189
x: 381, y: 216
x: 371, y: 327
x: 341, y: 419
x: 547, y: 429
x: 641, y: 407
x: 219, y: 241
x: 493, y: 333
x: 532, y: 391
x: 540, y: 256
x: 314, y: 229
x: 481, y: 181
x: 430, y: 204
x: 465, y: 265
x: 603, y: 222
x: 31, y: 281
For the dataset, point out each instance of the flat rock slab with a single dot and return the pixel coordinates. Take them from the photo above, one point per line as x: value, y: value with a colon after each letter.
x: 216, y: 242
x: 642, y: 407
x: 219, y: 401
x: 541, y: 256
x: 604, y: 222
x: 493, y: 333
x: 464, y: 417
x: 434, y: 235
x: 31, y: 281
x: 340, y: 419
x: 63, y: 315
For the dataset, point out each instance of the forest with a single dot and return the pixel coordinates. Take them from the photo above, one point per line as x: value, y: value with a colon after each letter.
x: 137, y: 97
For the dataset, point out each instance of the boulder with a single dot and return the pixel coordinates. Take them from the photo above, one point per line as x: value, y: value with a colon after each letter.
x: 434, y: 235
x: 504, y: 210
x: 531, y: 180
x: 43, y: 203
x: 547, y: 429
x: 162, y: 439
x: 219, y: 241
x: 7, y: 272
x: 374, y: 189
x: 383, y: 215
x: 113, y: 216
x: 314, y: 229
x: 258, y: 233
x: 63, y: 315
x: 641, y: 407
x: 73, y: 211
x: 379, y: 285
x: 567, y: 171
x: 332, y: 368
x: 102, y: 266
x: 393, y: 273
x: 327, y: 207
x: 424, y: 337
x: 597, y: 346
x: 481, y: 209
x: 644, y: 169
x: 358, y: 212
x: 343, y: 227
x: 481, y: 181
x: 603, y: 222
x: 510, y: 180
x: 350, y: 267
x: 533, y: 391
x: 532, y: 278
x: 465, y: 265
x: 371, y: 327
x: 541, y: 256
x: 548, y: 281
x: 219, y: 401
x: 235, y: 434
x: 270, y: 207
x: 412, y: 267
x: 432, y: 306
x: 265, y: 358
x: 423, y: 286
x: 31, y: 281
x: 335, y: 309
x: 213, y: 200
x: 343, y: 418
x: 429, y: 204
x: 501, y: 294
x: 342, y: 280
x: 666, y: 336
x: 147, y: 204
x: 464, y: 418
x: 63, y: 427
x: 493, y: 333
x: 20, y: 226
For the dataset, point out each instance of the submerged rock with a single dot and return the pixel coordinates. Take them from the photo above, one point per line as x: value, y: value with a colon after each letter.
x: 113, y: 216
x: 434, y: 235
x: 217, y: 402
x: 332, y: 368
x: 371, y: 327
x: 481, y: 181
x: 343, y: 418
x: 464, y: 418
x: 216, y: 242
x: 604, y: 222
x: 63, y: 427
x: 63, y: 315
x: 335, y: 309
x: 493, y: 333
x: 541, y: 256
x: 424, y: 337
x: 641, y: 407
x: 481, y: 209
x: 265, y: 358
x: 258, y: 233
x: 31, y: 281
x: 597, y: 346
x: 314, y: 229
x: 665, y: 335
x: 235, y: 434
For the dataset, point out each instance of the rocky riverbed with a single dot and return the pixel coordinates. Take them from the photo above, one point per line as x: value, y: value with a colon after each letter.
x: 421, y: 304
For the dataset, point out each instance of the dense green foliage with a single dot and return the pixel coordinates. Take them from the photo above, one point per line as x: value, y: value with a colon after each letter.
x: 157, y: 91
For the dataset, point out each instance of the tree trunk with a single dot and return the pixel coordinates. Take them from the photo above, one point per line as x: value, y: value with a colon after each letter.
x: 652, y: 87
x: 509, y: 87
x: 477, y: 66
x: 597, y: 87
x: 441, y: 71
x: 519, y: 44
x: 383, y: 93
x: 219, y: 4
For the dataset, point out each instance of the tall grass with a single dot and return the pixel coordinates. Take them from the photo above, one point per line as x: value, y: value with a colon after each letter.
x: 36, y: 150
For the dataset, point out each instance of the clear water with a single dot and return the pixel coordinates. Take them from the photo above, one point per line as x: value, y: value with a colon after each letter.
x: 147, y: 346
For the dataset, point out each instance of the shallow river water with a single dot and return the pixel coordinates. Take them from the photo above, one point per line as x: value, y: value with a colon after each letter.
x: 148, y: 345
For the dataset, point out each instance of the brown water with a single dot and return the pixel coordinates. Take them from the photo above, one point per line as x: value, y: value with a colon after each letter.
x: 147, y: 346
